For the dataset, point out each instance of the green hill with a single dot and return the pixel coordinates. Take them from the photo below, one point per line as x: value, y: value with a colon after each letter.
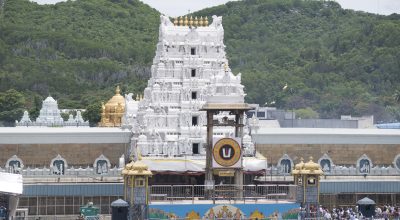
x: 77, y: 51
x: 334, y: 61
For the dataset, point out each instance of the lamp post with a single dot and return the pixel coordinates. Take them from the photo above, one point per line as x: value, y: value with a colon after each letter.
x: 291, y: 92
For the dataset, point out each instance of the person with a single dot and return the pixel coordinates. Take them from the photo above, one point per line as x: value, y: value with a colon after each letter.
x: 327, y: 215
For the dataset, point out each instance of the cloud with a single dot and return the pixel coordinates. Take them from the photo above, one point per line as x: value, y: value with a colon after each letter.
x: 385, y: 7
x: 180, y: 7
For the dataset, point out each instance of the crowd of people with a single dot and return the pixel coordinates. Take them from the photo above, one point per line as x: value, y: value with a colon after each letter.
x: 386, y: 212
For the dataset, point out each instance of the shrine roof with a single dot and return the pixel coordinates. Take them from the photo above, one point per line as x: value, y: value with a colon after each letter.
x: 226, y: 106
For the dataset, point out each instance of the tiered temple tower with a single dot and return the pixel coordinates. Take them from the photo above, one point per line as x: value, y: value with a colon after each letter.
x: 190, y: 66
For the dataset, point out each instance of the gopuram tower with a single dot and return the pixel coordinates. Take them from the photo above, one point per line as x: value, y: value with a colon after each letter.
x: 189, y: 67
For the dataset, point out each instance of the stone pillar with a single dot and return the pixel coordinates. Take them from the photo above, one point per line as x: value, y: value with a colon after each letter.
x: 239, y: 172
x: 209, y: 172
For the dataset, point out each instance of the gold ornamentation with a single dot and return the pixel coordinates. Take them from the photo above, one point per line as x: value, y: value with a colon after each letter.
x: 257, y: 215
x: 196, y: 21
x: 186, y: 22
x: 225, y: 213
x: 175, y: 21
x: 113, y: 110
x: 201, y: 21
x: 205, y: 21
x: 191, y: 21
x: 180, y: 21
x: 193, y: 216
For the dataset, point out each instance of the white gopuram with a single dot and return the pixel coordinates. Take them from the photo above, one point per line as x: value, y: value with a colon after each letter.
x: 50, y: 112
x: 50, y: 116
x: 190, y: 68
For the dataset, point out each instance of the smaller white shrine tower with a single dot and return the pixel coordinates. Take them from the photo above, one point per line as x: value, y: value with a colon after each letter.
x: 50, y: 112
x: 50, y: 116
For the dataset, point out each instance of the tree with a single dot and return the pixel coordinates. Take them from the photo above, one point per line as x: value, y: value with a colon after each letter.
x: 396, y: 96
x: 93, y: 114
x: 35, y: 110
x: 306, y: 113
x: 11, y: 107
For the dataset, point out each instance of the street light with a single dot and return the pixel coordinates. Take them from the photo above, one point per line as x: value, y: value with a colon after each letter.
x: 291, y: 92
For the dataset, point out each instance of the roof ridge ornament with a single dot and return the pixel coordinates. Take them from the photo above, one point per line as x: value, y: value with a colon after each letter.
x: 190, y: 21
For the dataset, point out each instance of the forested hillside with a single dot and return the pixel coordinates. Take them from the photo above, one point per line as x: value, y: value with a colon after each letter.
x: 76, y: 51
x: 334, y: 61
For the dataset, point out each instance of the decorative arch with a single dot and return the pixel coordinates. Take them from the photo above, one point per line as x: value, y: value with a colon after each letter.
x: 396, y: 162
x: 285, y: 164
x: 101, y: 165
x: 364, y: 164
x: 58, y: 165
x: 14, y: 164
x: 326, y: 163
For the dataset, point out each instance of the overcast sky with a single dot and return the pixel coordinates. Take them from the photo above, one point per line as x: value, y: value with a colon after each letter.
x: 180, y: 7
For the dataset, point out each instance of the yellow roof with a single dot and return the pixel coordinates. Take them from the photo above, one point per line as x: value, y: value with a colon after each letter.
x: 307, y: 168
x: 137, y: 168
x: 117, y: 98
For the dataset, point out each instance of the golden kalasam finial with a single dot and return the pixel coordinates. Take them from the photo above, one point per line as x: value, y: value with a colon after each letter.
x: 191, y: 21
x: 226, y: 67
x: 205, y: 21
x: 186, y: 22
x: 201, y: 21
x: 196, y: 21
x: 117, y: 90
x: 175, y: 21
x: 137, y: 97
x: 180, y: 21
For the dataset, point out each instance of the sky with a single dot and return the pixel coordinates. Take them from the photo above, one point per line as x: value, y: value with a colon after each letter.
x: 175, y: 8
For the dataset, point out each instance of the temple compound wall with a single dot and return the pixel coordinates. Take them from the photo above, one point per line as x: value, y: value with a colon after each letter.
x: 41, y: 155
x: 343, y: 154
x: 338, y: 151
x: 62, y: 151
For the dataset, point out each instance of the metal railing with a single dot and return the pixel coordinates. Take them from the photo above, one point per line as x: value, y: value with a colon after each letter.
x: 61, y: 217
x: 160, y: 193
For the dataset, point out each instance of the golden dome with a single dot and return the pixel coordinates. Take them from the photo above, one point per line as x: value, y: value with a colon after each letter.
x: 313, y: 167
x: 137, y: 168
x: 298, y: 167
x: 307, y: 168
x: 113, y: 110
x: 129, y: 165
x: 116, y: 99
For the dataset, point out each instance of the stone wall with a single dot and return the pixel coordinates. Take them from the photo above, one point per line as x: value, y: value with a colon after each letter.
x: 341, y: 154
x: 39, y: 155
